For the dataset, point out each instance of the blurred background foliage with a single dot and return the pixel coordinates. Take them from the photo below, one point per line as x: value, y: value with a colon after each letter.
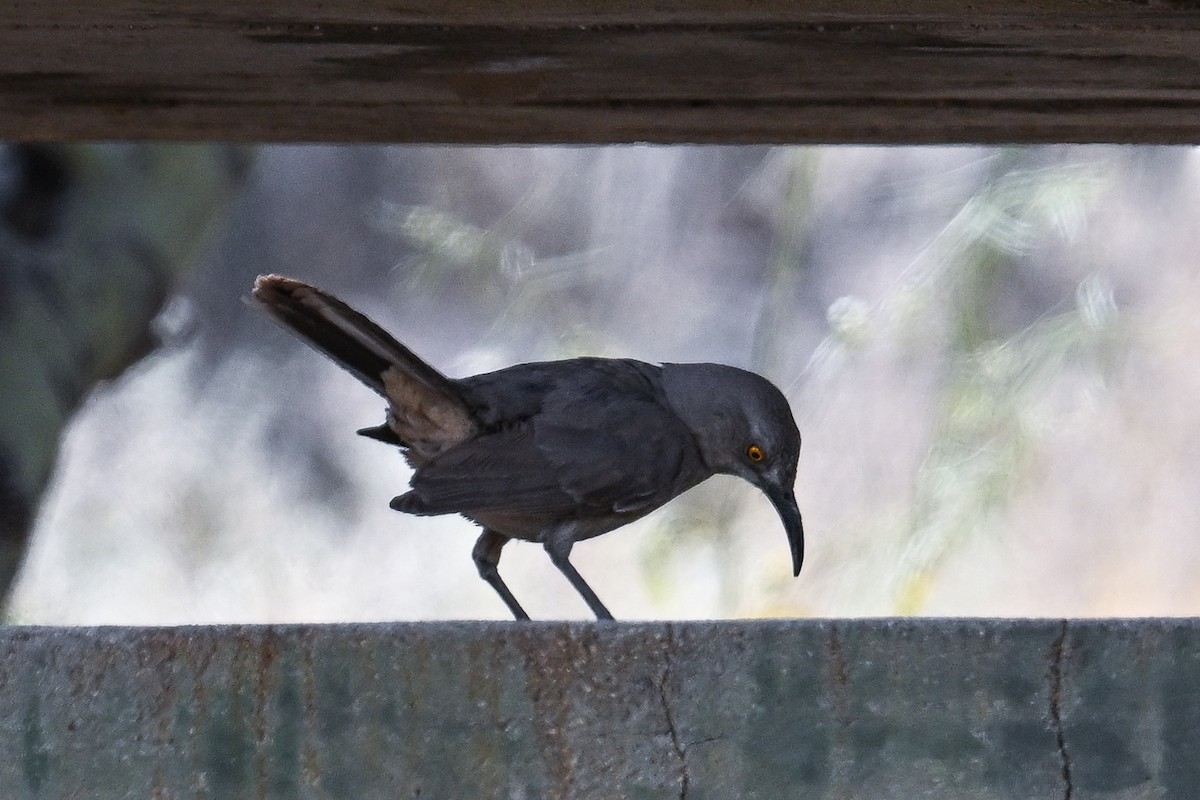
x: 94, y: 240
x: 988, y: 351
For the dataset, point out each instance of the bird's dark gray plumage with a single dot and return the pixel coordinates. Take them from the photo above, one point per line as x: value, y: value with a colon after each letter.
x: 559, y: 451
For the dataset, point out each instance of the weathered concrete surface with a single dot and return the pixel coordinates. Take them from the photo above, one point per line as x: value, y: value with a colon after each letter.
x: 848, y: 709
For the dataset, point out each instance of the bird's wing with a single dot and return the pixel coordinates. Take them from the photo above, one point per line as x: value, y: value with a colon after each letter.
x: 626, y: 457
x: 503, y: 470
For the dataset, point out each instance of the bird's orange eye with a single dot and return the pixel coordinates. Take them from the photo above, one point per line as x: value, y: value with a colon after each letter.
x: 755, y: 453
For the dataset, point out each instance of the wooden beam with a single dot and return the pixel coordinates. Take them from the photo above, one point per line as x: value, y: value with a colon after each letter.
x: 572, y: 71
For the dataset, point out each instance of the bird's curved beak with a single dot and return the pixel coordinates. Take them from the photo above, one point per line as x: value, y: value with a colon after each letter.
x: 784, y: 500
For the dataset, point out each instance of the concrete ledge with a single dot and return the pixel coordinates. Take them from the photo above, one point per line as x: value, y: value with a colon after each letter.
x: 814, y: 709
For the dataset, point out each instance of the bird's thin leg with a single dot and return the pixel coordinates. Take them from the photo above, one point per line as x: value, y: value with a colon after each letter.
x: 487, y: 559
x: 558, y: 544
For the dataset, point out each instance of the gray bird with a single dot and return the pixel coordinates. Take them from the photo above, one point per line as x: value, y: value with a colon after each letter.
x: 557, y: 451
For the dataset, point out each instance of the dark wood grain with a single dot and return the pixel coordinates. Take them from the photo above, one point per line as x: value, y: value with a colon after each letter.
x: 566, y: 72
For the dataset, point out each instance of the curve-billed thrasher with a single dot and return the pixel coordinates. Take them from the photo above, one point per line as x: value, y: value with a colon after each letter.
x: 557, y: 451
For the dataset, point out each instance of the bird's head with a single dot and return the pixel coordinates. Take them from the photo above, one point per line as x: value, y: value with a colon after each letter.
x: 744, y: 427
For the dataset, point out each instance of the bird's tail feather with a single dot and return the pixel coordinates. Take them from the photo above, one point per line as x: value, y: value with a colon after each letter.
x: 426, y: 404
x: 341, y: 333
